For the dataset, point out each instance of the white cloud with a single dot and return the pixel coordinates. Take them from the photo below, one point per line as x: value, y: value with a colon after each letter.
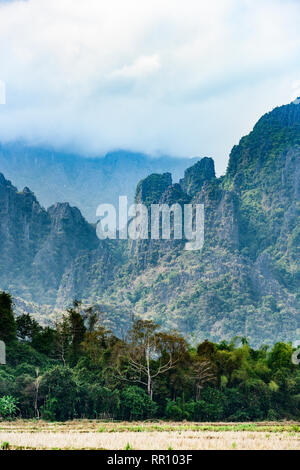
x: 141, y: 67
x: 172, y: 76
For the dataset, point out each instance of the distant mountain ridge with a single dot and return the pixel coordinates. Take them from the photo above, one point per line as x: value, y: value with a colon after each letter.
x: 245, y: 281
x: 84, y: 182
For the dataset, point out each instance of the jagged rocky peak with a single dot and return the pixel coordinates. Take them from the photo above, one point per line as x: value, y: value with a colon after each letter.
x: 197, y: 175
x: 64, y: 217
x: 29, y: 196
x: 150, y: 189
x: 63, y: 209
x: 274, y: 135
x: 175, y: 195
x: 2, y: 179
x: 26, y: 191
x: 285, y: 116
x: 5, y: 182
x: 22, y: 204
x: 25, y: 198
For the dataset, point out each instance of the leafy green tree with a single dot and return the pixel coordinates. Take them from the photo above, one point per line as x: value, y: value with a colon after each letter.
x: 7, y: 320
x: 7, y: 382
x: 44, y: 341
x: 174, y: 410
x: 77, y: 331
x: 41, y: 339
x: 106, y: 402
x: 23, y: 353
x: 27, y: 327
x: 58, y: 389
x: 96, y: 343
x: 136, y: 404
x: 211, y: 406
x: 236, y: 405
x: 281, y: 356
x: 206, y: 350
x: 258, y: 396
x: 179, y: 409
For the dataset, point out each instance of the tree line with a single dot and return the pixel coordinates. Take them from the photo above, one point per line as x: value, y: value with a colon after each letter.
x: 78, y: 369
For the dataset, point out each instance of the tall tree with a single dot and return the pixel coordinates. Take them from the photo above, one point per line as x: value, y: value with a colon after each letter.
x: 77, y: 331
x: 27, y: 327
x: 202, y: 373
x: 62, y: 339
x: 149, y: 353
x: 7, y: 319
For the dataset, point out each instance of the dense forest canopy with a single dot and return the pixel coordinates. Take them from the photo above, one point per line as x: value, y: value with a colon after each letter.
x: 79, y: 369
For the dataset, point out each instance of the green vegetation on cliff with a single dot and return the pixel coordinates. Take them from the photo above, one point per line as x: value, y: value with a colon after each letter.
x: 245, y: 281
x: 79, y: 369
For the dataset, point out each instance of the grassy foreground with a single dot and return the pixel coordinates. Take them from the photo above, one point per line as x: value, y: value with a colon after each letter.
x: 93, y: 434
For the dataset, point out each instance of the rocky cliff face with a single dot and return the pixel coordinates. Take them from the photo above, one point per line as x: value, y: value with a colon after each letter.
x: 68, y: 238
x: 37, y: 246
x: 24, y: 225
x: 150, y: 190
x: 264, y: 170
x: 245, y: 281
x: 195, y: 176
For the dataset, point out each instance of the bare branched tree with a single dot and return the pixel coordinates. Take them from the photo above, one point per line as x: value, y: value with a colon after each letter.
x: 202, y: 374
x: 36, y: 392
x: 148, y: 353
x: 62, y: 339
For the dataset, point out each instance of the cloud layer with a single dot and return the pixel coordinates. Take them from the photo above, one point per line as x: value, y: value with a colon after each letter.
x: 186, y: 78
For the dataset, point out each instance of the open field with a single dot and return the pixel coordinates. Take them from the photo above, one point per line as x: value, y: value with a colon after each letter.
x: 85, y: 434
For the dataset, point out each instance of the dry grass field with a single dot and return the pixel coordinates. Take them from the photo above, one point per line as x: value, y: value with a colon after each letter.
x: 85, y: 434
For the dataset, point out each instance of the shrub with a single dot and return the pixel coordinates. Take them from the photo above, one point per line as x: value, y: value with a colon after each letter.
x: 136, y: 404
x: 8, y: 406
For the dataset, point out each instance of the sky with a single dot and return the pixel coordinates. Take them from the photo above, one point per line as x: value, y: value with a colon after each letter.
x: 184, y: 78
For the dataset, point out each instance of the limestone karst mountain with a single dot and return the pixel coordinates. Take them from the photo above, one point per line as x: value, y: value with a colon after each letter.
x: 245, y: 281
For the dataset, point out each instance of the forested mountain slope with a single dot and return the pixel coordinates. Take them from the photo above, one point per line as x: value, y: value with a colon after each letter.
x: 245, y: 281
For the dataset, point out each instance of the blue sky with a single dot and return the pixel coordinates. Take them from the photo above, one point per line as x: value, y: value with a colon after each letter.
x: 184, y: 78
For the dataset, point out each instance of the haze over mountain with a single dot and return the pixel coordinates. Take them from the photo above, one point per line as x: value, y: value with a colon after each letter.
x: 154, y: 77
x: 57, y: 176
x: 245, y: 281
